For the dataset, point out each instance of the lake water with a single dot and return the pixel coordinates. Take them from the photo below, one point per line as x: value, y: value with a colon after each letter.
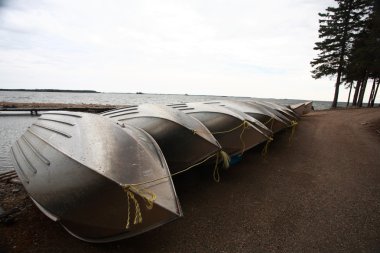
x: 12, y: 126
x: 127, y: 98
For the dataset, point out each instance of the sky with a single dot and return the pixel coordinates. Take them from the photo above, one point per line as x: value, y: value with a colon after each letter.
x: 202, y: 47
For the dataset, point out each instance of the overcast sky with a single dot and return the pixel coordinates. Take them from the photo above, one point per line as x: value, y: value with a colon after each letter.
x: 236, y: 47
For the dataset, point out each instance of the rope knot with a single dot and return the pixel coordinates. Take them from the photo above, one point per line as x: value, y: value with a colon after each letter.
x: 245, y: 126
x: 293, y: 125
x: 224, y: 157
x: 265, y: 149
x: 148, y: 196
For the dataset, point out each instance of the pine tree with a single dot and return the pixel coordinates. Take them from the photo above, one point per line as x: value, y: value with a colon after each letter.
x: 338, y: 28
x: 373, y: 46
x: 357, y: 67
x: 364, y: 56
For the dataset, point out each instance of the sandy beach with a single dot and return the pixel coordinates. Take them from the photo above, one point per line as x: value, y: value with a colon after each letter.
x: 319, y: 193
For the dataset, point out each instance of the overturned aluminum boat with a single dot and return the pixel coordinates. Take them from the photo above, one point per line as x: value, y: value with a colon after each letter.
x: 256, y: 116
x: 233, y: 129
x: 286, y: 112
x: 101, y: 181
x: 184, y: 140
x: 298, y: 108
x: 302, y: 108
x: 271, y: 119
x: 287, y: 122
x: 308, y: 107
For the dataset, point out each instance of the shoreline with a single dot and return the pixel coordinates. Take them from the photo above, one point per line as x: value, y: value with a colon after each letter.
x: 111, y: 106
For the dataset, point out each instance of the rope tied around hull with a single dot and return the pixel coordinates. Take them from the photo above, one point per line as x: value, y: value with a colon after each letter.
x: 224, y: 157
x: 148, y: 196
x: 244, y: 125
x: 264, y: 152
x: 271, y: 121
x: 293, y: 125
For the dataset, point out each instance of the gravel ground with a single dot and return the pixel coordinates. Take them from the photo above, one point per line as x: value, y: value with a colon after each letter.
x: 319, y: 193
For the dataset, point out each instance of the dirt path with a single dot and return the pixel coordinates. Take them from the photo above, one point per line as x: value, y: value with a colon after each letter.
x: 321, y: 193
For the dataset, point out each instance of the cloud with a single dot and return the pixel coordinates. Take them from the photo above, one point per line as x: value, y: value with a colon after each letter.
x: 3, y: 3
x: 250, y: 48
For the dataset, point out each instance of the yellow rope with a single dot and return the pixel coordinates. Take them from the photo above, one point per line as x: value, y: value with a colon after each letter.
x: 138, y: 216
x: 264, y: 152
x: 192, y: 166
x: 226, y: 159
x: 226, y: 163
x: 216, y: 170
x: 271, y: 125
x: 244, y: 124
x: 293, y: 126
x: 149, y: 197
x: 221, y: 153
x: 271, y: 120
x: 171, y: 175
x: 131, y: 190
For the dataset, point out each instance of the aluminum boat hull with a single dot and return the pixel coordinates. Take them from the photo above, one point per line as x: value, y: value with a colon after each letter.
x: 184, y: 140
x: 298, y: 108
x: 76, y: 167
x: 231, y: 128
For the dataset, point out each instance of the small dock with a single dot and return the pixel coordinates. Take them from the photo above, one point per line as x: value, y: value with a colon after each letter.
x: 36, y: 110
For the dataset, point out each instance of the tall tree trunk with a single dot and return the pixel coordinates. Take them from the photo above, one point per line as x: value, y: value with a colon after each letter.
x: 336, y: 93
x: 372, y: 93
x: 357, y: 88
x: 349, y: 95
x: 342, y: 53
x: 362, y: 90
x: 375, y: 93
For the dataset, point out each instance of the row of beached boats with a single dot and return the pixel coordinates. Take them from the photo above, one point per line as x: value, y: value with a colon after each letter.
x: 108, y: 176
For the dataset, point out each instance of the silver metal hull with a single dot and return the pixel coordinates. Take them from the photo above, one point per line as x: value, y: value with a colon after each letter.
x: 254, y: 114
x: 298, y: 108
x: 272, y: 119
x: 231, y: 128
x: 105, y: 178
x: 76, y: 167
x: 183, y: 140
x: 278, y: 113
x: 282, y: 110
x: 308, y: 107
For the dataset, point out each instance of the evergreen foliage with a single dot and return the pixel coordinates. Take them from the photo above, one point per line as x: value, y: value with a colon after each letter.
x: 364, y: 60
x: 339, y: 27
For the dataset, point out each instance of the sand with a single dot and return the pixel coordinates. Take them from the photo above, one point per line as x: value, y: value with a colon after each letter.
x: 319, y: 193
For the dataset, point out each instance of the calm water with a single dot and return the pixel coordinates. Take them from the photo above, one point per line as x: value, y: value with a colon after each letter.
x: 13, y: 126
x: 126, y: 98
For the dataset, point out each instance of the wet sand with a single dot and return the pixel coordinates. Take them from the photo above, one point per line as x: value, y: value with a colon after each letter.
x: 319, y: 193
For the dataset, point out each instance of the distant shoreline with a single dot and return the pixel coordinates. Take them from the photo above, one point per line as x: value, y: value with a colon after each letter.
x: 52, y: 90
